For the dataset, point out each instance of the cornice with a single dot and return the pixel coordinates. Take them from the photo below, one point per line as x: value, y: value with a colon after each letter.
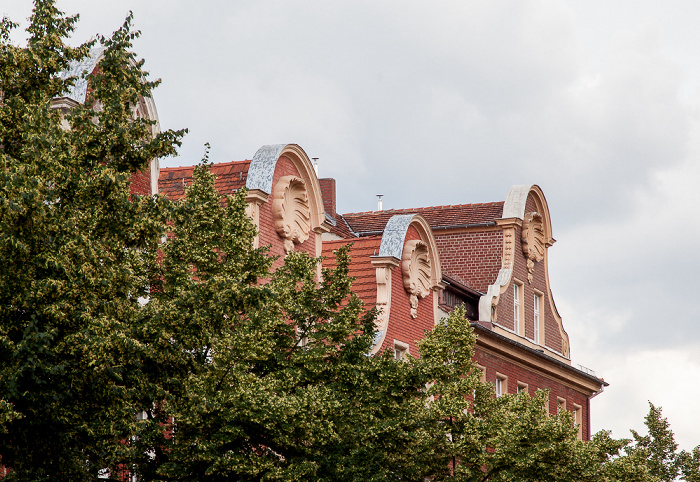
x: 527, y: 357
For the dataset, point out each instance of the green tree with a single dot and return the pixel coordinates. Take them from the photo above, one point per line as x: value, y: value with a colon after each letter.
x: 236, y: 372
x: 76, y: 252
x: 658, y: 451
x: 276, y: 382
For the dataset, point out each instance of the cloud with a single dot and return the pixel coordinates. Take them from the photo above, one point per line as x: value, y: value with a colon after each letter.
x: 667, y: 374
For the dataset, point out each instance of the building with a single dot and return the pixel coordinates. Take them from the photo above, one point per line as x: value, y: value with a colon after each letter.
x: 417, y: 265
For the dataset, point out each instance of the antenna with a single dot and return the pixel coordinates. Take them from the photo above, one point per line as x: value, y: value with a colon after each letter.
x: 379, y: 202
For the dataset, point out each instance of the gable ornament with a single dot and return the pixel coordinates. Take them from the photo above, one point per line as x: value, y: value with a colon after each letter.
x: 290, y: 210
x: 533, y: 241
x: 415, y: 267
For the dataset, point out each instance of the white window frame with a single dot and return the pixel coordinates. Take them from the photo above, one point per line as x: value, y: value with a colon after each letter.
x: 578, y: 420
x: 517, y: 304
x: 538, y: 317
x: 501, y: 385
x: 400, y: 350
x: 522, y: 387
x: 561, y: 405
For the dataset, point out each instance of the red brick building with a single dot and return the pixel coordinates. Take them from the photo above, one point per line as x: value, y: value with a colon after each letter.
x: 416, y: 265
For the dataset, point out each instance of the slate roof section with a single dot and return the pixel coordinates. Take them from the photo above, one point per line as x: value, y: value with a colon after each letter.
x: 81, y: 70
x: 342, y: 229
x: 230, y: 176
x: 365, y: 284
x: 440, y: 217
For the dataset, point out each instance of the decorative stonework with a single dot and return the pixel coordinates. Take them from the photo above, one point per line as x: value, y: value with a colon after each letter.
x: 383, y: 267
x: 290, y: 210
x: 533, y: 241
x: 416, y: 270
x: 508, y: 248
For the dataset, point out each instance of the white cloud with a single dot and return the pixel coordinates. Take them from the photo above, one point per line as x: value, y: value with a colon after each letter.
x: 666, y: 378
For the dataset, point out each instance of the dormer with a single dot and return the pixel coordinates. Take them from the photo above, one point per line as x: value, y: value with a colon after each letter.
x: 144, y: 183
x: 519, y: 303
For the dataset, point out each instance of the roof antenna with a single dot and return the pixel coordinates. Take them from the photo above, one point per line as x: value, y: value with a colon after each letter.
x: 315, y: 159
x: 379, y: 202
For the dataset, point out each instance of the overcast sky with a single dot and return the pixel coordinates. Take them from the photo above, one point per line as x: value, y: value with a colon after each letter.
x: 452, y: 102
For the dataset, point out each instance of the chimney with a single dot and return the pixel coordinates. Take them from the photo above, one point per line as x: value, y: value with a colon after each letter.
x: 315, y: 159
x: 328, y: 195
x: 379, y: 202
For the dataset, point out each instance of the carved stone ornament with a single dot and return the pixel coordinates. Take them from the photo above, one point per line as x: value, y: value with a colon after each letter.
x: 415, y: 267
x: 290, y: 210
x: 533, y: 241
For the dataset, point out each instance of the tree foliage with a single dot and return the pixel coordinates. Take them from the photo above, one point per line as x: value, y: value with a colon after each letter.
x: 191, y: 359
x: 76, y: 252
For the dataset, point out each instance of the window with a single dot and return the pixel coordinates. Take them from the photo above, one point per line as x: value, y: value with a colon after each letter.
x: 578, y: 419
x: 522, y: 387
x: 400, y: 350
x: 517, y: 297
x: 482, y: 369
x: 303, y: 340
x: 538, y: 318
x: 561, y: 405
x: 501, y: 385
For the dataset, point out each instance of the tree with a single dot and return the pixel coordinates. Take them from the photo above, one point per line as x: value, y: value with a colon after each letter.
x: 276, y: 381
x: 76, y: 252
x: 191, y: 359
x: 658, y: 450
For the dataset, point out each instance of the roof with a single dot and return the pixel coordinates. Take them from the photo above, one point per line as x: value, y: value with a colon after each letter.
x: 341, y: 228
x: 81, y: 70
x: 230, y: 176
x: 365, y: 284
x: 437, y: 216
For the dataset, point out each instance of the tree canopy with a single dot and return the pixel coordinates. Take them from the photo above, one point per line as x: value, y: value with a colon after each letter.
x: 140, y: 336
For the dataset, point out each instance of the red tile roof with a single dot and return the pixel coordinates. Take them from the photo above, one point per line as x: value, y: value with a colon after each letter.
x: 437, y: 216
x: 365, y: 284
x: 230, y: 176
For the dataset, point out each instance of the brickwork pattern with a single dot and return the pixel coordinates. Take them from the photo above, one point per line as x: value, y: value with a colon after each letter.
x: 473, y: 257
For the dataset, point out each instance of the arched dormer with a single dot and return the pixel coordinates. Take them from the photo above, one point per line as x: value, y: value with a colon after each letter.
x: 296, y: 207
x: 408, y: 245
x: 77, y: 95
x: 527, y: 236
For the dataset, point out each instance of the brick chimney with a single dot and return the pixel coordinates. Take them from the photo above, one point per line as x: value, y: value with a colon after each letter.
x: 328, y: 195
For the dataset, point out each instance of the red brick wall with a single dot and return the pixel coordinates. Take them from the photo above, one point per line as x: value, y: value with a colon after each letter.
x: 473, y: 256
x: 268, y: 234
x: 517, y: 373
x: 402, y: 326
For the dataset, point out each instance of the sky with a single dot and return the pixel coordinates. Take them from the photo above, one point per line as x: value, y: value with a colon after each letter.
x: 453, y: 102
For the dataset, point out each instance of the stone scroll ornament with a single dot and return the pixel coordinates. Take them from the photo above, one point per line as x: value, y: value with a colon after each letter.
x: 290, y: 209
x: 533, y: 241
x: 415, y: 267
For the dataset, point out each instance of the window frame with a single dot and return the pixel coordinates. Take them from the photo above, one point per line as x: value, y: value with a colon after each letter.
x: 518, y: 307
x: 501, y: 385
x: 401, y: 349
